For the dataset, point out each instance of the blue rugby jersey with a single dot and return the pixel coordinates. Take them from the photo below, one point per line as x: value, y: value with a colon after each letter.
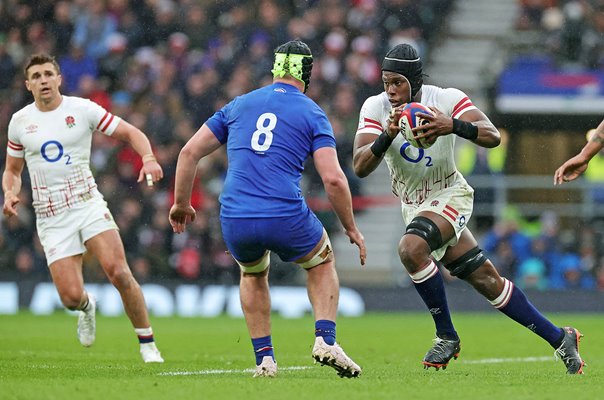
x: 269, y: 133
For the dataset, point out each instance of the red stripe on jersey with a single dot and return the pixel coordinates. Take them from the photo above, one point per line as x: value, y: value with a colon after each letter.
x: 15, y: 146
x: 107, y: 124
x: 461, y: 109
x: 460, y: 103
x: 448, y: 214
x: 452, y: 210
x: 371, y: 123
x: 102, y: 120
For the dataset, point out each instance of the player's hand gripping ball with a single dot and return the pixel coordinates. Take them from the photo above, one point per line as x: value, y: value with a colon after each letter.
x: 409, y: 120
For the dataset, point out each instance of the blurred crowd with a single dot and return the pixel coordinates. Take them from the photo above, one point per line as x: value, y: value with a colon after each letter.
x: 540, y: 255
x: 168, y: 65
x: 571, y: 30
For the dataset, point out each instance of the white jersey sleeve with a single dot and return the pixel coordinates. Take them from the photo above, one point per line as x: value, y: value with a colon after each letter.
x: 450, y: 101
x: 14, y: 148
x: 373, y: 115
x: 100, y: 119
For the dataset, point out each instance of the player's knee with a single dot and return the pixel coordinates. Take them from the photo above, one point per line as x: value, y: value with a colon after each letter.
x: 71, y: 298
x: 465, y: 266
x: 120, y: 277
x: 412, y: 252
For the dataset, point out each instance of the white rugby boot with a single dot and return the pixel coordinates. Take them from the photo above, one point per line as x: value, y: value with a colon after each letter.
x: 267, y: 368
x: 150, y: 353
x: 335, y: 357
x: 87, y: 323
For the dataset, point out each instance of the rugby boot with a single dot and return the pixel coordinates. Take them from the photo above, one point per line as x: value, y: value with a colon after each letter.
x: 87, y: 323
x: 267, y: 368
x: 569, y: 351
x: 334, y: 356
x: 441, y: 353
x: 150, y: 353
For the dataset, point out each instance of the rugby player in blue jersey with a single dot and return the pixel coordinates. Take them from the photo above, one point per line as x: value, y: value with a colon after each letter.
x: 269, y: 133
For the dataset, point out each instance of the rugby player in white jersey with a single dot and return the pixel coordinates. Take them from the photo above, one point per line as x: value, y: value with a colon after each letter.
x: 53, y: 136
x: 437, y: 203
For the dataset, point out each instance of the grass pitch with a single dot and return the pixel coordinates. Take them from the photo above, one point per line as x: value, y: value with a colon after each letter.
x: 40, y: 358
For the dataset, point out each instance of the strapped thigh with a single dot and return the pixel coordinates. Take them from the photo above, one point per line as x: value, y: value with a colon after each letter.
x: 320, y: 256
x: 427, y: 230
x: 260, y: 266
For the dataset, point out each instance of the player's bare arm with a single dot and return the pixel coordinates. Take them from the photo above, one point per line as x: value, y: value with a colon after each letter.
x: 338, y: 193
x: 574, y: 167
x: 441, y: 124
x: 11, y: 184
x: 200, y: 145
x: 151, y: 170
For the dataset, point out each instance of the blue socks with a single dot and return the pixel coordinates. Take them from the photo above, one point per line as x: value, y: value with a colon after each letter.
x: 429, y: 284
x: 327, y: 330
x: 263, y: 347
x: 513, y: 303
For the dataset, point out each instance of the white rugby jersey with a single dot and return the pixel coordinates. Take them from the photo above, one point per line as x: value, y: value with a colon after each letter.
x: 56, y: 147
x: 418, y: 173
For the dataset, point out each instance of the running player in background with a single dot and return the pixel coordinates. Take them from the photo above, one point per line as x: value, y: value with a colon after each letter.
x: 269, y: 133
x: 576, y: 165
x: 53, y: 136
x: 437, y: 203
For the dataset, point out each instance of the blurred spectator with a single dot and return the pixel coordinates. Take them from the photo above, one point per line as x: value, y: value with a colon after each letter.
x: 7, y: 67
x: 532, y: 13
x: 92, y: 29
x: 508, y: 229
x: 74, y: 65
x: 531, y: 274
x: 569, y: 274
x: 61, y: 27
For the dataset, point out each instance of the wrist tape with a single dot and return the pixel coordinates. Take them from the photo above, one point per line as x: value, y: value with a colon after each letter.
x: 381, y: 144
x: 464, y: 129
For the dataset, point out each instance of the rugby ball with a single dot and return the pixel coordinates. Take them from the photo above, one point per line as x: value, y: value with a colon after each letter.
x: 409, y: 120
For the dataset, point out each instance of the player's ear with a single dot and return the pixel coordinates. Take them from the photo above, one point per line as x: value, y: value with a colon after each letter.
x: 59, y: 80
x: 27, y: 85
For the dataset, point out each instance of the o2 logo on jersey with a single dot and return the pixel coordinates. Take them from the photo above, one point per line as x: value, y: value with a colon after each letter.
x: 265, y: 131
x: 52, y: 151
x: 418, y: 158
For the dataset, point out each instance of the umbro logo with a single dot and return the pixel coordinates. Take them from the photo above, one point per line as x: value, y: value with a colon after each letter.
x: 435, y: 311
x: 33, y: 128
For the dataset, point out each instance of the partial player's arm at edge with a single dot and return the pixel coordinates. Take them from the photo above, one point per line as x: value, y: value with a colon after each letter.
x: 594, y: 144
x: 575, y: 166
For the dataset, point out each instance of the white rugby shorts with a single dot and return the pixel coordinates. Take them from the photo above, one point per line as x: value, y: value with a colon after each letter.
x: 64, y: 235
x: 455, y: 204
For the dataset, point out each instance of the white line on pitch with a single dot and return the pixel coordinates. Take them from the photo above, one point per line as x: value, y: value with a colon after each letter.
x: 507, y: 360
x: 223, y: 371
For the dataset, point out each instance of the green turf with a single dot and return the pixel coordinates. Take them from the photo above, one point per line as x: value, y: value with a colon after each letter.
x: 40, y: 358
